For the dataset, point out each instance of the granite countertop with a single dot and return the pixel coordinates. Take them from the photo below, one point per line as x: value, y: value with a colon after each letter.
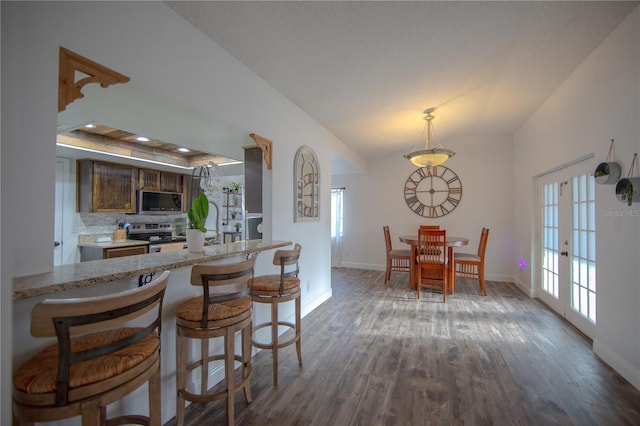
x: 106, y: 241
x: 114, y: 244
x: 66, y: 277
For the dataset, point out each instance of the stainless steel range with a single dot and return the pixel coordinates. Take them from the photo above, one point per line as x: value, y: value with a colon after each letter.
x: 156, y: 233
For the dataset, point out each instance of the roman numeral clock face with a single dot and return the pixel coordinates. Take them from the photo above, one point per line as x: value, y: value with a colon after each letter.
x: 433, y: 192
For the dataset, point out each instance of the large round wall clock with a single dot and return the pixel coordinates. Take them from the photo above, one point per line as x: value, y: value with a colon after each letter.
x: 433, y: 192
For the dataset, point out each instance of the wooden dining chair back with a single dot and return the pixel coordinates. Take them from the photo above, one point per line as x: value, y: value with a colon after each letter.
x: 224, y: 309
x: 275, y: 289
x: 472, y: 265
x: 107, y: 347
x: 432, y: 261
x: 398, y: 260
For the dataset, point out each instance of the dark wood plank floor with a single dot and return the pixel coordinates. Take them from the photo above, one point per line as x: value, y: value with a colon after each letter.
x: 374, y: 355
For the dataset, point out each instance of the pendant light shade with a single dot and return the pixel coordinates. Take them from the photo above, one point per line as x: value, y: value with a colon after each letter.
x: 429, y: 157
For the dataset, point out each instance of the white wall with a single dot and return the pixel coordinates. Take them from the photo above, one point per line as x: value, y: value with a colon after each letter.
x: 150, y: 43
x: 376, y: 198
x: 598, y: 102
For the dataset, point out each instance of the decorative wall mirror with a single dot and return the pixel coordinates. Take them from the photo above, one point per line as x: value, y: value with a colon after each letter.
x: 306, y: 185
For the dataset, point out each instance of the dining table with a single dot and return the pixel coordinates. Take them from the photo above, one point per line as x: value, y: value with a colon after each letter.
x: 452, y: 242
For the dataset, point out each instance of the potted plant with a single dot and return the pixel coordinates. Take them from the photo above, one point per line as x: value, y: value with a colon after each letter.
x: 628, y: 189
x: 197, y: 216
x: 607, y: 173
x: 237, y: 225
x: 235, y: 187
x: 624, y: 190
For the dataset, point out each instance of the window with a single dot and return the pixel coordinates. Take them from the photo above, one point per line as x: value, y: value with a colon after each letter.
x: 336, y: 212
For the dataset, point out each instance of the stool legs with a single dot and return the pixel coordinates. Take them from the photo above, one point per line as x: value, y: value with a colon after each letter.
x: 229, y: 342
x: 181, y: 376
x: 274, y: 323
x: 298, y: 332
x: 274, y: 340
x: 184, y: 366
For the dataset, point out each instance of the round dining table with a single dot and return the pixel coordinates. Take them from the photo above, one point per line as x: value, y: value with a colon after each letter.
x: 451, y: 243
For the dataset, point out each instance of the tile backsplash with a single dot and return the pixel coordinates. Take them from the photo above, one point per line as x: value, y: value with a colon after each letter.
x: 98, y: 223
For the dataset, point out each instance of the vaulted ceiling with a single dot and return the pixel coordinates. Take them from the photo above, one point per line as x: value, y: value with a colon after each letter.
x: 367, y: 70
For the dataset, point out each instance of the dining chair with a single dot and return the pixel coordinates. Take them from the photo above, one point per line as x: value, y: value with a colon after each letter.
x: 107, y: 347
x: 398, y: 260
x: 432, y: 261
x: 471, y: 266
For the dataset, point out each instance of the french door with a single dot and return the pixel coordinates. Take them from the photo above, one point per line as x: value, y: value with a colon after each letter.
x: 566, y: 279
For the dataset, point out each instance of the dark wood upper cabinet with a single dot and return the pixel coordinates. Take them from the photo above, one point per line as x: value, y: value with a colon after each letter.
x: 106, y: 187
x: 155, y: 180
x: 149, y: 180
x: 170, y: 182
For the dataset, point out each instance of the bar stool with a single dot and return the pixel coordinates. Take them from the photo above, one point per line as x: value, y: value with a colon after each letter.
x: 96, y: 360
x: 276, y: 289
x: 224, y: 309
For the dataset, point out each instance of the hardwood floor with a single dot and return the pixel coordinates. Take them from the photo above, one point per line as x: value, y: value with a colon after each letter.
x: 374, y: 355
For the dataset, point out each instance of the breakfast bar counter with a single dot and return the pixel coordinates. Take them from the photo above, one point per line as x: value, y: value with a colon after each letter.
x: 85, y: 274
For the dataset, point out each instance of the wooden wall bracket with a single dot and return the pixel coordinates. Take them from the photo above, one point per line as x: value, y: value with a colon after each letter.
x: 265, y: 145
x: 69, y: 89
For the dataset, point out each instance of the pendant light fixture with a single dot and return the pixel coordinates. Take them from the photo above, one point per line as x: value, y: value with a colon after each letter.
x: 429, y: 157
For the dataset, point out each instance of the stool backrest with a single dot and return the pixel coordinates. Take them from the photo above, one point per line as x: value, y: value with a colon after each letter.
x: 222, y: 282
x: 66, y: 318
x: 91, y: 314
x: 285, y: 258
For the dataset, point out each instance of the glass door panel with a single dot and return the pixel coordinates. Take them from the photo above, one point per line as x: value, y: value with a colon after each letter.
x: 567, y: 272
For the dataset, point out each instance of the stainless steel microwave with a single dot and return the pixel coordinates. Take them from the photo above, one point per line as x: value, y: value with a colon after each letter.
x: 158, y: 202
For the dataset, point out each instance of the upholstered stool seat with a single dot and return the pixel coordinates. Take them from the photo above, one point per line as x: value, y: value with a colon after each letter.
x: 191, y: 310
x: 39, y: 374
x: 270, y: 284
x: 274, y: 290
x: 83, y: 373
x: 224, y: 309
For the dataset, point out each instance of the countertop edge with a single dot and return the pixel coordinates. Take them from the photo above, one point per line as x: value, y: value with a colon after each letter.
x: 85, y: 274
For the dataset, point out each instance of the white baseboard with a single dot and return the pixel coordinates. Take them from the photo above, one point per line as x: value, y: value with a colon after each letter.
x: 630, y: 372
x: 368, y: 266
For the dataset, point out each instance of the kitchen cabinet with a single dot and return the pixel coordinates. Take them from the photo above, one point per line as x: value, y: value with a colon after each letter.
x: 149, y: 180
x: 170, y: 182
x: 106, y: 187
x: 98, y: 253
x: 156, y: 180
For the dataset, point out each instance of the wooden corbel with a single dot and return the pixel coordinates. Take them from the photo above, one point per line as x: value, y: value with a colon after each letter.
x: 265, y: 146
x: 69, y: 89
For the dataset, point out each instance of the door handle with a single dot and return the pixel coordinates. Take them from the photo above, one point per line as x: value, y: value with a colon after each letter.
x: 57, y: 243
x: 564, y: 253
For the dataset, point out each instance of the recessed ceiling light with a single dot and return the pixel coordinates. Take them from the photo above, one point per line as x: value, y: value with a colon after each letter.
x: 181, y: 149
x: 90, y: 126
x: 142, y: 139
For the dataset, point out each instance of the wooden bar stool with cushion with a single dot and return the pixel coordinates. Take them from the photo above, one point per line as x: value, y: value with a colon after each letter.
x: 97, y: 360
x: 472, y: 265
x: 397, y: 259
x: 432, y: 261
x: 276, y: 289
x: 224, y: 309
